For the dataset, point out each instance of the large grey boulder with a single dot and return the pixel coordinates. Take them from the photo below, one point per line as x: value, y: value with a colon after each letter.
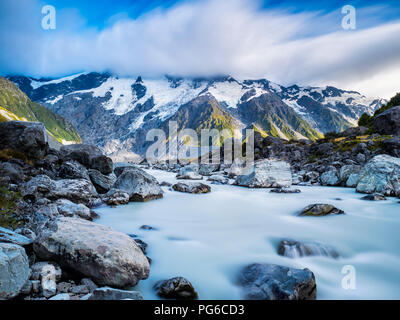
x: 388, y: 122
x: 329, y: 178
x: 267, y: 174
x: 28, y: 138
x: 13, y: 237
x: 380, y: 175
x: 108, y: 257
x: 274, y: 282
x: 140, y: 185
x: 14, y: 270
x: 88, y: 155
x: 347, y: 170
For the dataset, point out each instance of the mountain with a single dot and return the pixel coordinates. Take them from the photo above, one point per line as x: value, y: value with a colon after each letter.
x: 15, y: 105
x: 116, y: 113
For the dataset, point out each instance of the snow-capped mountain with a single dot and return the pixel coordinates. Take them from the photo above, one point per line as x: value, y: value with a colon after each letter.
x: 116, y: 113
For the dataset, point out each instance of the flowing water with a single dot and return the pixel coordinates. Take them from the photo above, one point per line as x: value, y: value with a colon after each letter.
x: 208, y: 238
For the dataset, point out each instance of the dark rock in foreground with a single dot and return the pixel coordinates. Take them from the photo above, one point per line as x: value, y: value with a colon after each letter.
x: 191, y: 187
x: 319, y: 209
x: 175, y: 288
x: 108, y: 257
x: 274, y: 282
x: 388, y: 122
x: 297, y: 249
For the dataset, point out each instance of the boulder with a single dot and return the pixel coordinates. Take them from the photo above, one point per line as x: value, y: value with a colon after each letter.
x: 73, y: 170
x: 88, y: 155
x: 9, y: 236
x: 14, y: 270
x: 116, y: 197
x: 388, y: 122
x: 38, y: 187
x: 70, y: 209
x: 101, y: 182
x: 120, y: 167
x: 13, y: 171
x: 106, y: 256
x: 352, y: 181
x: 106, y: 293
x: 175, y: 288
x: 374, y: 197
x: 329, y: 178
x: 285, y: 190
x: 297, y: 249
x: 316, y: 210
x: 190, y: 176
x: 347, y: 170
x: 208, y: 169
x: 267, y: 174
x: 274, y: 282
x: 48, y: 274
x: 140, y: 185
x: 380, y: 175
x: 191, y: 187
x: 392, y: 146
x: 218, y: 179
x: 28, y: 138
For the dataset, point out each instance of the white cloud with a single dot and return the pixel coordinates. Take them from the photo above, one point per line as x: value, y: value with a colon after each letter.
x: 220, y: 37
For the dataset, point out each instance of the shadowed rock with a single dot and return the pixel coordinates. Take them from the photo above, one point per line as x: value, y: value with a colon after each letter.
x: 176, y: 288
x: 319, y: 209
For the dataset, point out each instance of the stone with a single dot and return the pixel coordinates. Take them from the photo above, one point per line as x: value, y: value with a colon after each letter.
x: 69, y: 209
x: 175, y: 288
x: 89, y: 283
x: 13, y: 171
x: 330, y: 178
x: 81, y: 289
x: 108, y: 257
x: 116, y: 197
x: 190, y: 176
x: 140, y: 185
x: 208, y: 169
x: 28, y: 138
x: 101, y: 182
x: 374, y: 197
x: 165, y: 184
x: 274, y: 282
x: 191, y: 187
x: 106, y: 293
x: 218, y: 179
x: 352, y: 181
x: 61, y: 296
x: 64, y: 287
x: 48, y: 274
x: 27, y: 288
x: 316, y: 210
x: 388, y: 122
x: 380, y: 175
x: 9, y: 236
x: 285, y: 190
x: 73, y: 170
x: 297, y: 249
x: 266, y: 174
x: 347, y: 170
x: 14, y: 270
x: 88, y: 155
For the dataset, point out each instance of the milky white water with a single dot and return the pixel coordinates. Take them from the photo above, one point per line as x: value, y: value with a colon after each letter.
x: 208, y: 238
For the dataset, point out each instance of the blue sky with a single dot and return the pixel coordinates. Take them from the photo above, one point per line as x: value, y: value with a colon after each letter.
x: 286, y: 41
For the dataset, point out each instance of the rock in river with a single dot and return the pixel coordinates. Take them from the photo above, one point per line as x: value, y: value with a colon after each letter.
x: 140, y: 185
x: 297, y: 249
x: 175, y: 288
x: 274, y: 282
x: 191, y: 187
x: 267, y: 174
x: 108, y: 257
x: 320, y: 209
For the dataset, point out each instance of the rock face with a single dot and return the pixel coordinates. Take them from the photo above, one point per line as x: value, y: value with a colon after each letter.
x: 380, y: 175
x: 175, y: 288
x: 88, y: 155
x: 14, y: 270
x: 267, y: 174
x: 273, y: 282
x: 320, y: 209
x: 297, y: 249
x: 13, y: 237
x: 191, y: 187
x: 140, y: 185
x: 107, y: 256
x: 29, y: 138
x: 388, y: 122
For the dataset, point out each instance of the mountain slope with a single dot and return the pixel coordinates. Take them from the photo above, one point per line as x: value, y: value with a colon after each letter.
x: 116, y: 113
x: 15, y: 105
